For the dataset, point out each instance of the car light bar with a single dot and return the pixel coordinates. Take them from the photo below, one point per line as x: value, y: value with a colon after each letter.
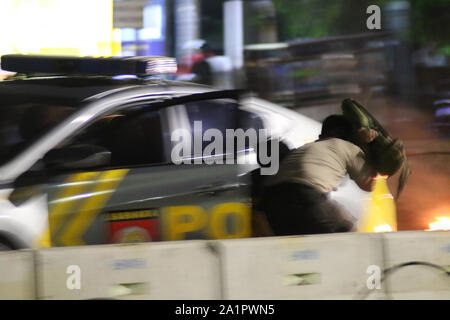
x: 63, y: 65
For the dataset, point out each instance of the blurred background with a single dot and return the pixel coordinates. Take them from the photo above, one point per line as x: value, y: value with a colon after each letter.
x: 305, y: 55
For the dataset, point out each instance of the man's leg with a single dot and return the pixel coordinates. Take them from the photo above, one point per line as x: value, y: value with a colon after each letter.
x: 293, y: 209
x: 336, y: 217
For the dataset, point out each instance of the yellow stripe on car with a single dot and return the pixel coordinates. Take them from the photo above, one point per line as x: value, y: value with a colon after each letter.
x: 107, y: 183
x: 44, y: 241
x: 75, y: 185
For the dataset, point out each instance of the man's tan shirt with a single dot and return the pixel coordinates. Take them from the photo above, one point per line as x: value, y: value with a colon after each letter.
x: 322, y: 165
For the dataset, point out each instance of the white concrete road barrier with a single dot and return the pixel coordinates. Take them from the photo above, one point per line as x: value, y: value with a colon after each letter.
x: 171, y: 270
x: 417, y: 263
x: 309, y: 267
x: 397, y: 265
x: 17, y: 275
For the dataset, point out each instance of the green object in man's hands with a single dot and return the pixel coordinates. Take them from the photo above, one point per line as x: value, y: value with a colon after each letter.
x: 385, y: 154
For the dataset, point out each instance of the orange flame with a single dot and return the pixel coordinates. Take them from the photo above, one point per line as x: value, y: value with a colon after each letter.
x: 441, y: 223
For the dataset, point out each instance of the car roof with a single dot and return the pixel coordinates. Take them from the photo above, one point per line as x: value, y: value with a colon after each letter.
x: 72, y: 89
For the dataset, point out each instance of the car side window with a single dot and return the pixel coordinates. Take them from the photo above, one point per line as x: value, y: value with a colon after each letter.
x: 249, y: 120
x: 222, y: 114
x: 133, y: 138
x: 212, y: 114
x: 136, y: 139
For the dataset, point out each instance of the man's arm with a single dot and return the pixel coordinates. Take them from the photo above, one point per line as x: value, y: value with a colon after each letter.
x: 367, y: 183
x: 365, y: 136
x: 361, y: 171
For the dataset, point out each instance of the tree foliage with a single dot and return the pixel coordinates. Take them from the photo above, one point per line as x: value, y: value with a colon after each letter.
x: 429, y: 19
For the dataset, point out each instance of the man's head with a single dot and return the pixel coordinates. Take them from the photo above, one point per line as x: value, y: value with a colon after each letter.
x: 337, y: 126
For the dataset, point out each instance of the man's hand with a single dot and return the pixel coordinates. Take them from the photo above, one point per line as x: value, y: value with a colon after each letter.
x: 367, y: 182
x: 366, y: 135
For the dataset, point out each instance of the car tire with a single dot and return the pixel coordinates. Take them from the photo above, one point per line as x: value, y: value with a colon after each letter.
x: 6, y: 245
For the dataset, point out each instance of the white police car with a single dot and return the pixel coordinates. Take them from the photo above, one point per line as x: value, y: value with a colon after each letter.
x: 86, y: 154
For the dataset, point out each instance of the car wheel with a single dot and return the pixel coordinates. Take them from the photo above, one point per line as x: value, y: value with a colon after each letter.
x: 5, y: 245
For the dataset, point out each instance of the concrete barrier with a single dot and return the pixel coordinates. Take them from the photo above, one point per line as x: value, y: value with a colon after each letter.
x: 417, y: 263
x: 17, y: 275
x: 308, y: 267
x: 173, y: 270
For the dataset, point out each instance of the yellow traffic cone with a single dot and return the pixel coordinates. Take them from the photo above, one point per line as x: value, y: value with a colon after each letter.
x: 379, y: 215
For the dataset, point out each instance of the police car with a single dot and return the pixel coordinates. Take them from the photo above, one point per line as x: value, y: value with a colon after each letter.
x: 86, y: 154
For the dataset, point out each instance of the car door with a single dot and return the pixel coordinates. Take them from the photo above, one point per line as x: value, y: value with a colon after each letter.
x: 141, y: 195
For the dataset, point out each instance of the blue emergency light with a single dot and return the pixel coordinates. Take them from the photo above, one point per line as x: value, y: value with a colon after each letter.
x: 65, y: 65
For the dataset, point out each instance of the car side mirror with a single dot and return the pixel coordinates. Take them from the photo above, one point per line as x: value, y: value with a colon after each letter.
x: 82, y: 156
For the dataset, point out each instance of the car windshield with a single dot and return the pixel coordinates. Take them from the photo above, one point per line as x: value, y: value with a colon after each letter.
x: 23, y: 122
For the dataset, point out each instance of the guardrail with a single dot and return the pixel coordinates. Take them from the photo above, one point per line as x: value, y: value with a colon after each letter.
x: 400, y: 265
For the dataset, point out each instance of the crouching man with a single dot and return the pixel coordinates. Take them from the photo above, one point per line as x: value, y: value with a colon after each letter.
x: 296, y: 200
